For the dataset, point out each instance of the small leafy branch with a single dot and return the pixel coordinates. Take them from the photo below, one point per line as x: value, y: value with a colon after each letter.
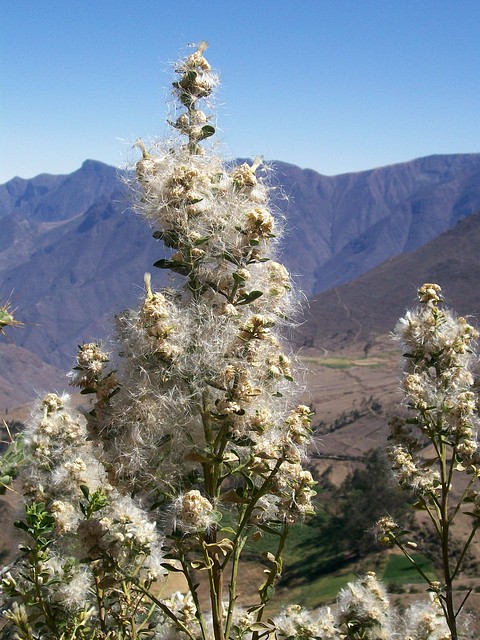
x: 7, y: 317
x: 13, y: 457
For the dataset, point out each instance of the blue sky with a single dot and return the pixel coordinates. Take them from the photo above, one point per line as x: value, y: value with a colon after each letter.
x: 333, y: 85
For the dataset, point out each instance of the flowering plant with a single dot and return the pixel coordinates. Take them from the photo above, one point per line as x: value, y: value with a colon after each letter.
x: 194, y: 446
x: 436, y: 444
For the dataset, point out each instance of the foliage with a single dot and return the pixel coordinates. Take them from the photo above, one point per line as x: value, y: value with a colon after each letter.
x: 7, y: 317
x: 364, y: 496
x: 13, y: 457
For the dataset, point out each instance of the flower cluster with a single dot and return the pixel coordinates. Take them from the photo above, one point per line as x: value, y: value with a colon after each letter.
x: 66, y: 475
x: 425, y: 621
x: 204, y: 363
x: 296, y: 622
x: 91, y: 362
x: 437, y: 441
x: 365, y: 609
x: 438, y: 389
x: 193, y: 512
x: 192, y: 410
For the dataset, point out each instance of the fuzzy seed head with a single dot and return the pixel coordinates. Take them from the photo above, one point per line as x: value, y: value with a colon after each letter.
x: 193, y: 512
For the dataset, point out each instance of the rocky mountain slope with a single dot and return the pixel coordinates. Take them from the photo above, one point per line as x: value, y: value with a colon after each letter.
x: 369, y: 306
x: 72, y: 253
x: 23, y: 375
x: 343, y: 226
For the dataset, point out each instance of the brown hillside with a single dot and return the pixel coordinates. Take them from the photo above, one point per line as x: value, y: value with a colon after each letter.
x: 23, y: 376
x: 357, y: 312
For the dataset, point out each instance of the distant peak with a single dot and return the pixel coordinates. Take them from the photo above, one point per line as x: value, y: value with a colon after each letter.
x: 96, y: 170
x: 95, y: 165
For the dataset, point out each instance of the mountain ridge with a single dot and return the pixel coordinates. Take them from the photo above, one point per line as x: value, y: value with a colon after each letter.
x: 73, y: 253
x: 368, y: 307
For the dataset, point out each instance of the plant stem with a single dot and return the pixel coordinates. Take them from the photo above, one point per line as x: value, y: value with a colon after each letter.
x: 100, y: 603
x: 215, y: 577
x: 167, y: 612
x: 264, y: 591
x: 416, y: 566
x: 446, y: 476
x: 193, y: 590
x: 238, y: 548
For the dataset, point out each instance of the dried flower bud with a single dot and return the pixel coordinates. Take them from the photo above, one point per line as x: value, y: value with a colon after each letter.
x: 430, y: 294
x: 244, y: 176
x: 51, y: 403
x: 256, y: 327
x: 385, y: 529
x: 193, y: 512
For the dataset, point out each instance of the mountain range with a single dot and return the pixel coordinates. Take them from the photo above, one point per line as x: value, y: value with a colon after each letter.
x: 367, y: 308
x: 72, y: 252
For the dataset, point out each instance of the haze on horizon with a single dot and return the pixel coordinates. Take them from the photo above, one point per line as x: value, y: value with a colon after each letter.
x: 334, y: 85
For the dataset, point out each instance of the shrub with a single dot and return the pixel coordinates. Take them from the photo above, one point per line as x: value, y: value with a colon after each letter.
x: 195, y: 444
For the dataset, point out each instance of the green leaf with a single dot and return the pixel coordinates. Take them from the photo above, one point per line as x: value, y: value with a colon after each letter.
x: 228, y: 530
x: 207, y: 131
x: 165, y: 439
x: 200, y: 565
x: 186, y: 98
x: 107, y: 582
x: 171, y: 567
x: 201, y: 241
x: 256, y: 608
x: 170, y: 238
x: 230, y: 258
x: 232, y: 497
x: 250, y: 297
x: 5, y: 481
x: 270, y: 591
x: 85, y: 490
x: 19, y: 524
x: 164, y: 264
x: 88, y: 390
x: 271, y: 530
x: 260, y: 626
x: 238, y: 278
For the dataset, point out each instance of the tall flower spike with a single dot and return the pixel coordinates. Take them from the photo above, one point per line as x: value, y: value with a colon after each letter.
x: 197, y: 420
